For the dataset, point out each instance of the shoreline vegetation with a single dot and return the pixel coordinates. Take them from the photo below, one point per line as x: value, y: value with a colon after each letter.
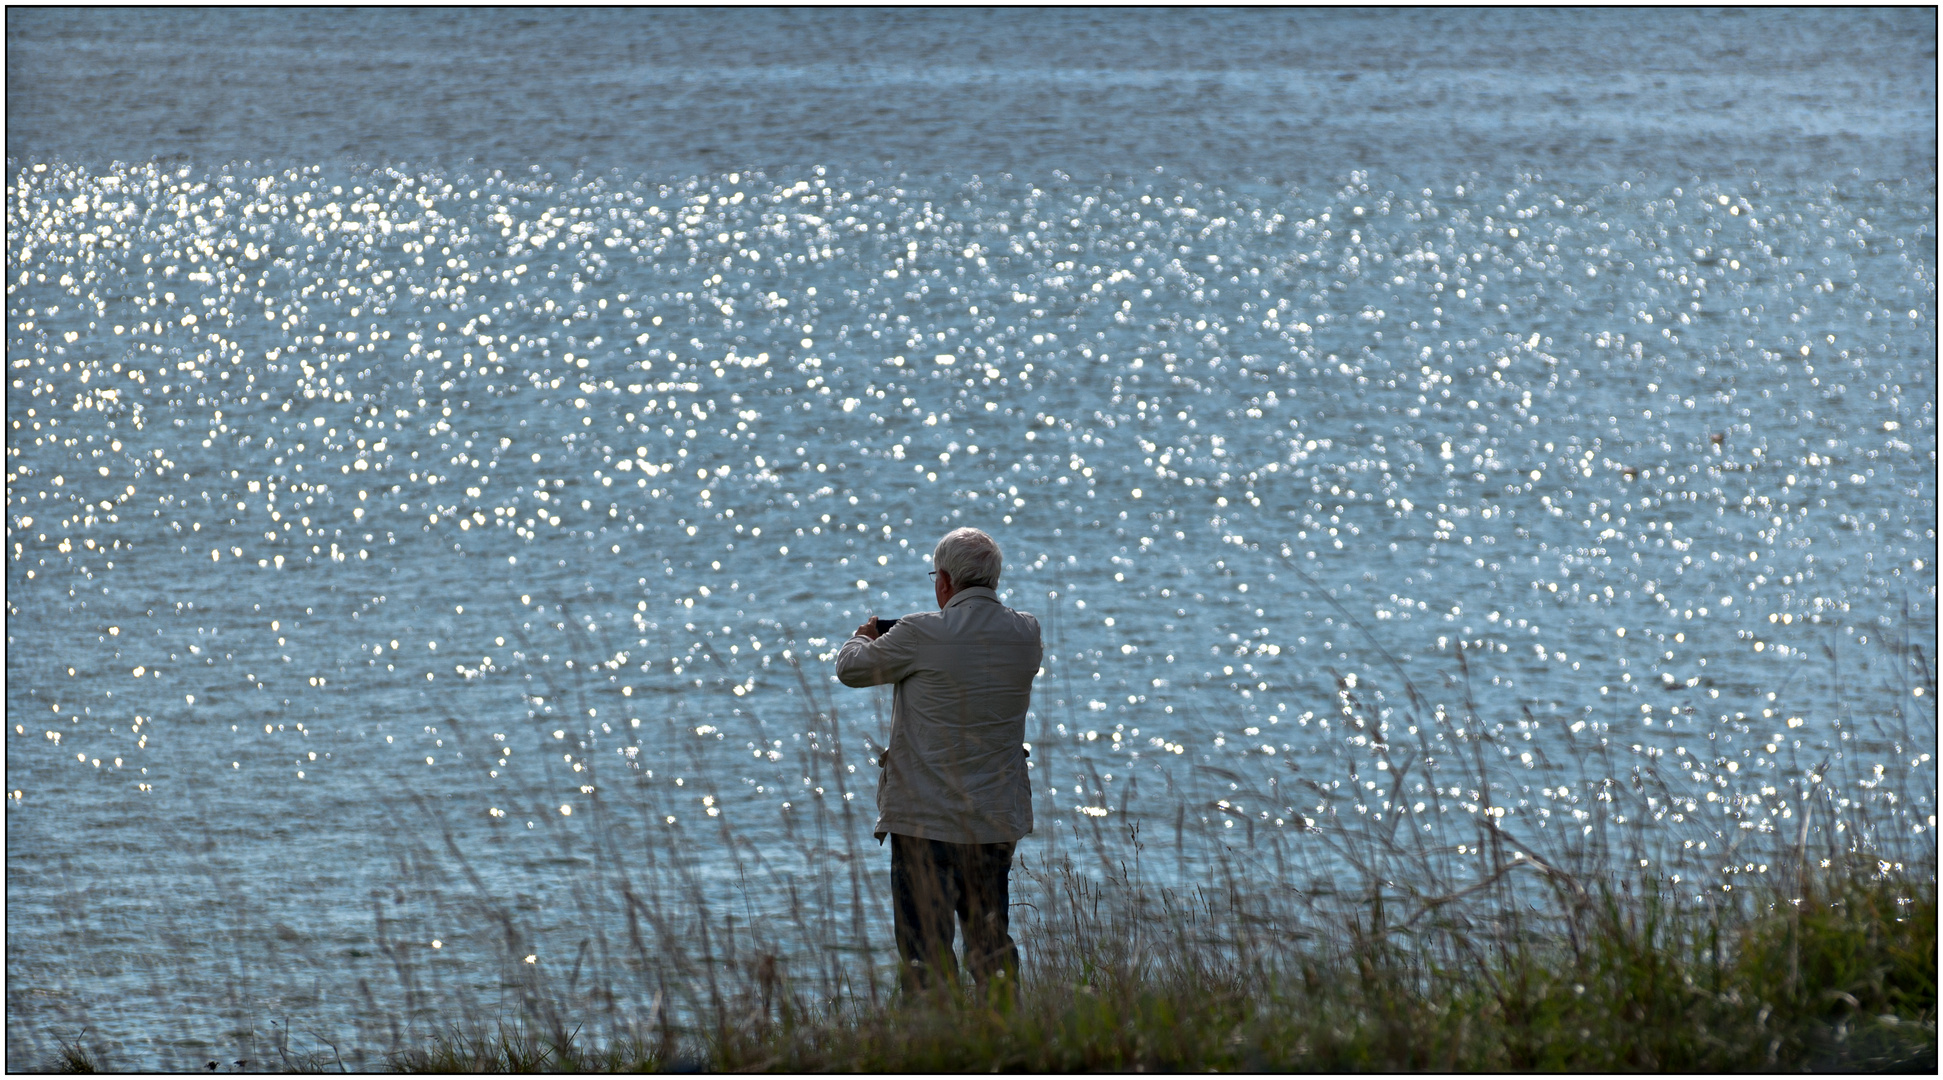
x: 1843, y: 981
x: 1404, y: 925
x: 1151, y: 980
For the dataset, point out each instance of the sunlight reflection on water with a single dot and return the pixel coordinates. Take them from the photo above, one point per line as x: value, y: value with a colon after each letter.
x: 346, y: 503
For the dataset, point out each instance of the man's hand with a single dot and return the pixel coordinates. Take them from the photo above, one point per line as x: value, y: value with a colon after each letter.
x: 869, y: 630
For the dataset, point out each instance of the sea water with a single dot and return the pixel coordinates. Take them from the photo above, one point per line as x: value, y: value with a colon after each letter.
x: 370, y: 509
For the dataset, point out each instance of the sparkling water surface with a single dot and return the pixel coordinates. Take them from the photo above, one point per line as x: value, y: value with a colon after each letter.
x: 365, y: 516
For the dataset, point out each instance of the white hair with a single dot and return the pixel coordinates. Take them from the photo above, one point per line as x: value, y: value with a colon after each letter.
x: 971, y: 557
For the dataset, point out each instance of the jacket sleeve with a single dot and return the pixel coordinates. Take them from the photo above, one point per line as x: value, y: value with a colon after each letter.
x: 889, y: 659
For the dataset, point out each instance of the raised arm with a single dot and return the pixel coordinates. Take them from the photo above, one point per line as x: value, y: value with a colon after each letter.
x: 888, y: 659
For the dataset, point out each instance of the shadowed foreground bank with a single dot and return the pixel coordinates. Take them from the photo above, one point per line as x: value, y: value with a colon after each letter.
x: 1842, y: 981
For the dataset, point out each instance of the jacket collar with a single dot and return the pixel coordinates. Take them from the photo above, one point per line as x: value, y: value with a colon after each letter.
x: 974, y: 592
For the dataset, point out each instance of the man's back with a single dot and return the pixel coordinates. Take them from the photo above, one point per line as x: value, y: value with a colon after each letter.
x: 955, y: 768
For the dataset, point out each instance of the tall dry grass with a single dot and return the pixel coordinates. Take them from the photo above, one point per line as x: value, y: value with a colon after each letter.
x: 1362, y: 940
x: 1640, y: 926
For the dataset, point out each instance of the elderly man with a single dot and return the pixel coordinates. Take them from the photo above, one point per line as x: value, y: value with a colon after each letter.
x: 954, y: 796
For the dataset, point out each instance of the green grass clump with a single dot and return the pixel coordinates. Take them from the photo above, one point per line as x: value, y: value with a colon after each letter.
x: 1845, y: 981
x: 74, y: 1055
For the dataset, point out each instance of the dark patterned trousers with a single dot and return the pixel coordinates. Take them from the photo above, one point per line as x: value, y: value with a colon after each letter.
x: 931, y: 882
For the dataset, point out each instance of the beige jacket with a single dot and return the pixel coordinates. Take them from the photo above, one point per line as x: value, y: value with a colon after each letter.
x: 955, y: 769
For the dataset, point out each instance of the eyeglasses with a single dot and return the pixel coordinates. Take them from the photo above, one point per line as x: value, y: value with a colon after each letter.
x: 932, y: 574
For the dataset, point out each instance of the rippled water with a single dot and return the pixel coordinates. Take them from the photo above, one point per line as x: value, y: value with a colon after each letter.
x: 348, y: 498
